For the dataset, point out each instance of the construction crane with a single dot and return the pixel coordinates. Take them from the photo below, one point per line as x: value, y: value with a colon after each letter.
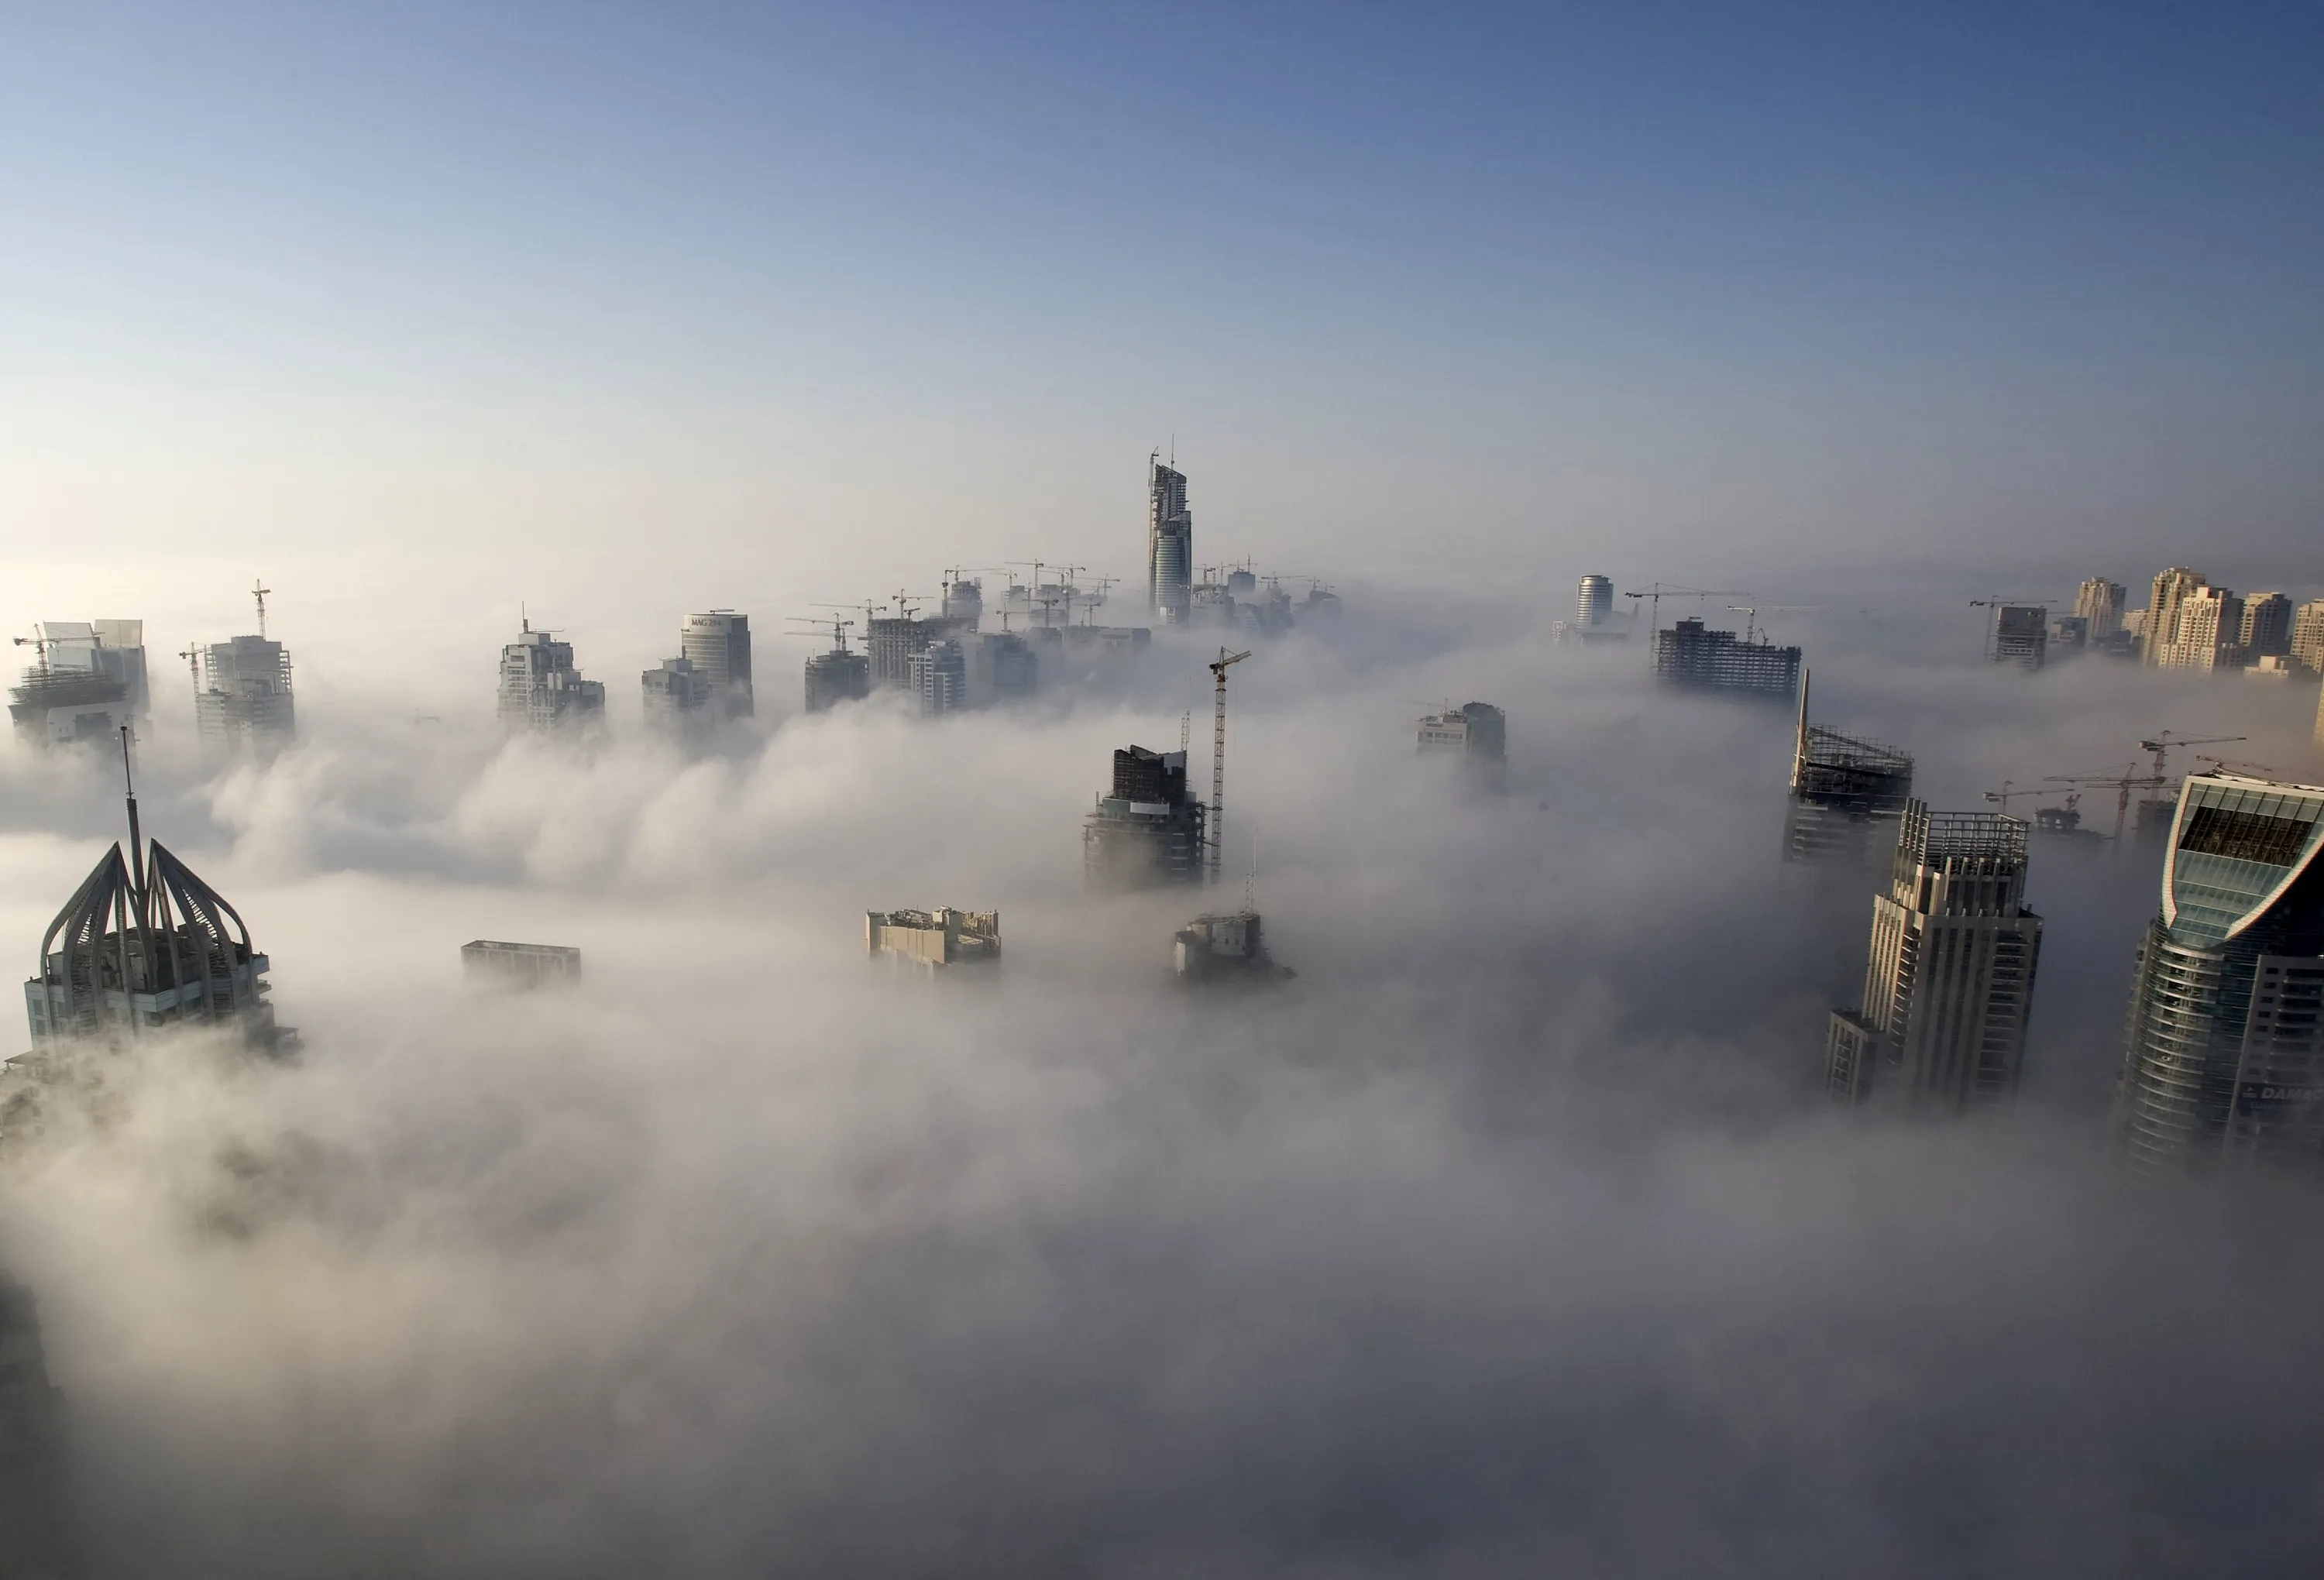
x: 1105, y: 585
x: 2123, y: 784
x: 1655, y: 595
x: 1219, y: 757
x: 838, y: 627
x: 2164, y: 740
x: 38, y: 643
x: 2008, y: 794
x: 259, y: 589
x: 1751, y: 612
x: 193, y: 658
x: 2234, y: 766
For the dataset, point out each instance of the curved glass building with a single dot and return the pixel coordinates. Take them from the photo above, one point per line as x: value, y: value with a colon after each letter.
x: 2224, y: 1059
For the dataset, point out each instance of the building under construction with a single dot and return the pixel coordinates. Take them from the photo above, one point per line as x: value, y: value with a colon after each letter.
x: 893, y: 640
x: 143, y: 944
x: 837, y: 677
x: 243, y: 699
x: 2020, y: 635
x: 88, y: 681
x: 1149, y: 831
x: 1224, y: 951
x: 1847, y: 795
x: 1690, y: 657
x: 933, y: 940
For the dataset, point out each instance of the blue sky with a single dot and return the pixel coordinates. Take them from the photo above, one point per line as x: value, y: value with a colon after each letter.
x: 823, y: 295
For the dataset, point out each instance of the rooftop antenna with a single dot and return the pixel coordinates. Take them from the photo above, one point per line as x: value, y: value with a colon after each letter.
x: 524, y: 616
x: 259, y: 589
x: 136, y: 835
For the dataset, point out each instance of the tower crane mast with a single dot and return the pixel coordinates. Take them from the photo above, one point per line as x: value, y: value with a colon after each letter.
x: 1217, y: 831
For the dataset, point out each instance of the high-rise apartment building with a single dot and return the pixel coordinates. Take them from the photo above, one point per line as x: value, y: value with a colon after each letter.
x: 939, y: 679
x: 2266, y: 631
x: 718, y: 646
x: 1149, y: 831
x: 1593, y: 604
x: 1693, y: 658
x: 836, y: 676
x: 2225, y: 1061
x: 2307, y: 634
x: 542, y: 693
x: 2210, y: 625
x: 1169, y: 543
x: 1951, y: 980
x: 243, y: 699
x: 2161, y: 632
x: 2099, y: 604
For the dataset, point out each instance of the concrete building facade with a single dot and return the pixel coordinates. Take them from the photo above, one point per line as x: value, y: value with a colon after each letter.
x: 2308, y: 635
x: 2161, y: 634
x: 244, y: 699
x: 2266, y: 627
x: 89, y: 680
x: 933, y: 940
x: 495, y: 963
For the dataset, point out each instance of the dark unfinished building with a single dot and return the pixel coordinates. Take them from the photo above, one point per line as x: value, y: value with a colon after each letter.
x: 1692, y: 657
x: 1847, y: 794
x: 1149, y: 831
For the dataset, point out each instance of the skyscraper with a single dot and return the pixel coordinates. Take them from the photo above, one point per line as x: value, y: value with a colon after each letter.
x: 1950, y: 980
x: 939, y: 679
x: 678, y: 698
x: 541, y: 692
x: 2225, y: 1054
x: 243, y: 699
x: 2307, y: 634
x: 2266, y: 630
x: 2170, y: 589
x: 1691, y: 657
x: 1594, y: 605
x: 718, y: 646
x: 2209, y: 624
x: 1169, y: 542
x: 1149, y: 831
x: 145, y: 943
x: 2100, y: 603
x: 1477, y: 731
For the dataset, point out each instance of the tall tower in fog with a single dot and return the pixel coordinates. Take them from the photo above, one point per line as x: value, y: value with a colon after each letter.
x: 718, y: 646
x: 541, y: 692
x: 1169, y: 542
x: 2226, y: 1055
x: 1952, y: 976
x: 1593, y: 604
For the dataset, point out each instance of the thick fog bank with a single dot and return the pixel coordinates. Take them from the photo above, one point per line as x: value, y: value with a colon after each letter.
x: 1508, y: 1237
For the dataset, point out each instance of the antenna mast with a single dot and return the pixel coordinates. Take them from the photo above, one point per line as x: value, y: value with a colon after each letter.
x: 136, y: 835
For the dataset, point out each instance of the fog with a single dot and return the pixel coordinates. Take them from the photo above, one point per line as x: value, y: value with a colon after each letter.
x: 1510, y: 1236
